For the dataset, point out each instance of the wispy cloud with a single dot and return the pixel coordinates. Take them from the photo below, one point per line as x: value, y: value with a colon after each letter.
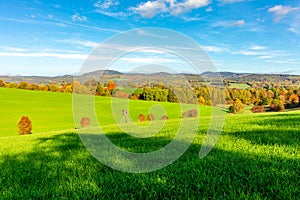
x: 82, y: 43
x: 209, y: 9
x: 284, y: 61
x: 228, y: 24
x: 151, y: 9
x: 77, y: 17
x: 281, y: 11
x: 186, y: 6
x: 258, y: 48
x: 53, y: 55
x: 105, y: 4
x: 111, y: 14
x: 229, y: 1
x: 14, y: 49
x: 60, y: 23
x: 214, y: 49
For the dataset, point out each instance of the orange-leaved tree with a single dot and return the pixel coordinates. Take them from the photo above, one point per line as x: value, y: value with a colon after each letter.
x: 25, y: 126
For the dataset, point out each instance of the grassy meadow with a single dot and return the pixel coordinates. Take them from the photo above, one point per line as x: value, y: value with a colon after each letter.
x: 256, y: 157
x: 51, y: 111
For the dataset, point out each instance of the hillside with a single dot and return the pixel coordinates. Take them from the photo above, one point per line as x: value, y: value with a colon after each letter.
x: 138, y: 77
x: 257, y: 157
x: 50, y: 111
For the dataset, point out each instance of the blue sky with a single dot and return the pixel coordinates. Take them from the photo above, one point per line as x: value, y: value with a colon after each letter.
x: 42, y: 37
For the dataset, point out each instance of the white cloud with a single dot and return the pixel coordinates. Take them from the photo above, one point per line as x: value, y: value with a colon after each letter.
x: 209, y: 9
x: 227, y: 24
x: 239, y: 23
x: 213, y: 49
x: 77, y: 17
x: 83, y: 43
x: 50, y: 16
x: 230, y: 1
x: 111, y: 14
x: 105, y: 4
x: 258, y: 48
x: 265, y: 57
x: 6, y: 48
x: 54, y: 55
x: 280, y: 11
x: 87, y: 43
x: 150, y: 9
x: 179, y: 8
x: 148, y: 60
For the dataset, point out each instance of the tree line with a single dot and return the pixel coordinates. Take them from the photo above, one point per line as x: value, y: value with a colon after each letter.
x: 271, y: 98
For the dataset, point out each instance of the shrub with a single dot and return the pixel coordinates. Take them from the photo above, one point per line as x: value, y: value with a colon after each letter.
x: 24, y: 126
x: 141, y: 117
x: 85, y: 122
x: 277, y: 105
x: 236, y: 107
x: 150, y: 117
x: 121, y: 94
x: 294, y: 99
x: 258, y: 109
x: 190, y: 113
x: 165, y: 117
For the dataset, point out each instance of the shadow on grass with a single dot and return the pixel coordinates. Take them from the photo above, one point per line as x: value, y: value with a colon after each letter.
x: 282, y: 129
x: 59, y: 167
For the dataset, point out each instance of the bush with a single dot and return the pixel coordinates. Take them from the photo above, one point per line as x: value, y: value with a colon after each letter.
x: 121, y: 94
x: 236, y: 107
x: 258, y: 109
x: 190, y: 113
x: 294, y: 99
x: 25, y: 126
x: 141, y: 117
x: 165, y: 117
x: 277, y: 105
x: 150, y: 117
x: 85, y: 122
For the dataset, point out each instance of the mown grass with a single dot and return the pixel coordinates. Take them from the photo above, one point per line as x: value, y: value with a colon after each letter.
x: 257, y: 157
x: 239, y: 86
x: 50, y: 111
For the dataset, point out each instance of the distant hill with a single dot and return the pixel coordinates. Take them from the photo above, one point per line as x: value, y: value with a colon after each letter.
x: 111, y: 74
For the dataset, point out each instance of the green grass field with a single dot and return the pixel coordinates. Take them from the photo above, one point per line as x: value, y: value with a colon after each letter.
x: 239, y: 86
x: 256, y: 157
x: 50, y: 111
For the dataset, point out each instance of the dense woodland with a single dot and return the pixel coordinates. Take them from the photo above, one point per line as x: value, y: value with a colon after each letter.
x: 261, y: 96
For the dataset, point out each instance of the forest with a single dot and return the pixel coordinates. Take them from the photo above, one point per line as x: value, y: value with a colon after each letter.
x: 261, y: 97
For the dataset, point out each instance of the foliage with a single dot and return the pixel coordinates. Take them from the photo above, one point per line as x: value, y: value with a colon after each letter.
x: 277, y: 105
x: 24, y: 126
x: 190, y: 113
x: 121, y: 94
x: 85, y: 122
x: 150, y: 117
x: 258, y: 109
x: 294, y: 99
x: 164, y: 117
x: 236, y: 107
x: 141, y: 118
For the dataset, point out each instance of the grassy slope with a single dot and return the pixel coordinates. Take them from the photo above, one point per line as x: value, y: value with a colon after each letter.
x: 239, y: 85
x: 257, y: 157
x: 50, y: 111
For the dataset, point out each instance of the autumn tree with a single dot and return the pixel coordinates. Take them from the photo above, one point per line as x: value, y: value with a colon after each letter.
x: 25, y: 126
x: 2, y: 84
x: 294, y: 99
x: 236, y: 107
